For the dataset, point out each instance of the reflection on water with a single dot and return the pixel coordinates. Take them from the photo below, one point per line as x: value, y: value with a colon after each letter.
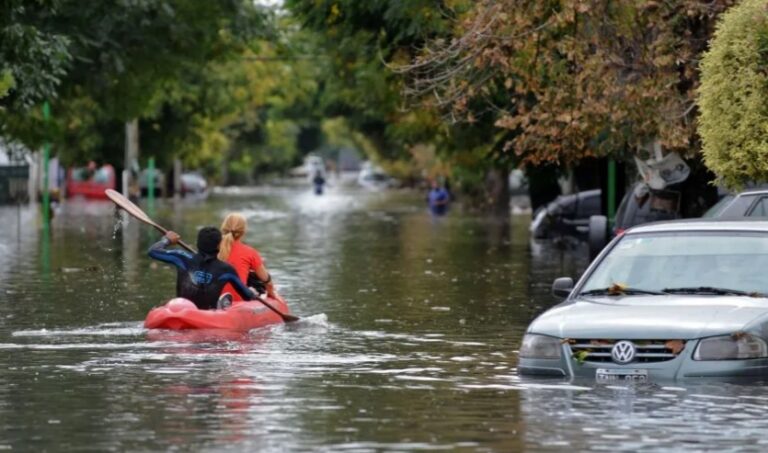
x: 408, y: 340
x: 691, y: 416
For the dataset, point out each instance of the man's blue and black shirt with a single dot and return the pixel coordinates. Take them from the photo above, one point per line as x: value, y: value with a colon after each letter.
x: 200, y: 277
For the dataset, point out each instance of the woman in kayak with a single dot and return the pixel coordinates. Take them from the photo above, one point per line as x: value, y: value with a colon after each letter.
x: 246, y: 260
x: 200, y: 277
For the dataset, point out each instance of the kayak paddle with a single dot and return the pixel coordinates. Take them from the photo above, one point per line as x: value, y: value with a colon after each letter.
x: 136, y: 211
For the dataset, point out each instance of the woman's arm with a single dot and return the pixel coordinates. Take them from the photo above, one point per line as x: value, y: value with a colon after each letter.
x: 263, y: 275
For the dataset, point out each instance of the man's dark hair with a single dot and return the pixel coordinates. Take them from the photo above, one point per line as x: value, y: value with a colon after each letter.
x: 208, y: 239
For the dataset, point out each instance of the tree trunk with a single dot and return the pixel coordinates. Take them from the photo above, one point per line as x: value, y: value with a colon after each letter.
x: 497, y: 191
x: 177, y: 178
x: 542, y: 184
x: 131, y: 171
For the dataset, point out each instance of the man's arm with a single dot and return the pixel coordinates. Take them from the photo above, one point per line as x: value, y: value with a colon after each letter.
x: 244, y: 291
x: 159, y: 251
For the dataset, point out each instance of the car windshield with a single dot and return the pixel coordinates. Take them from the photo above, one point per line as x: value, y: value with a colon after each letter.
x: 714, y: 211
x: 685, y: 262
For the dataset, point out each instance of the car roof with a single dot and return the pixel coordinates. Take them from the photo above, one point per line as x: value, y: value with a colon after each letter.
x: 753, y: 192
x: 700, y: 225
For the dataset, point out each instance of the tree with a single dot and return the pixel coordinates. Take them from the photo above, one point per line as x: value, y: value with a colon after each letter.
x: 125, y: 61
x: 363, y: 42
x: 569, y: 79
x: 358, y: 40
x: 732, y: 96
x: 33, y: 60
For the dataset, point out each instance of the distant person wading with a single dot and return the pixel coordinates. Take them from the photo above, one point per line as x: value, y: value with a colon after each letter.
x: 438, y: 199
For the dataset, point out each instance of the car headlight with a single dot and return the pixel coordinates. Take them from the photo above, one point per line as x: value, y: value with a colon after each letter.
x: 540, y: 347
x: 731, y: 347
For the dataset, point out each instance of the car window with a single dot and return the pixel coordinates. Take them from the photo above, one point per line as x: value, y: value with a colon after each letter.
x: 622, y: 210
x: 80, y: 174
x: 714, y: 211
x: 688, y: 259
x: 589, y: 205
x: 739, y: 207
x: 760, y: 209
x: 655, y: 206
x: 102, y: 175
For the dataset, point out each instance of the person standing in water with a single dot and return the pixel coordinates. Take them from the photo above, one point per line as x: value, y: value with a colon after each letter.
x: 246, y: 260
x: 438, y: 199
x: 319, y: 181
x: 201, y: 277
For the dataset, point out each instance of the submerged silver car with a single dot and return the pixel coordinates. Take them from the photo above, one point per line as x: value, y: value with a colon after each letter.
x: 663, y: 301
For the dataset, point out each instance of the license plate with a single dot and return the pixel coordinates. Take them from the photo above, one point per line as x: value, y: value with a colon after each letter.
x: 633, y: 375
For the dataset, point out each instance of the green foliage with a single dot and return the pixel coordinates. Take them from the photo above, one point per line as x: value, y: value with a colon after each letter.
x: 364, y: 43
x: 34, y: 56
x: 732, y: 96
x: 581, y: 356
x: 359, y: 41
x: 157, y: 60
x: 6, y: 83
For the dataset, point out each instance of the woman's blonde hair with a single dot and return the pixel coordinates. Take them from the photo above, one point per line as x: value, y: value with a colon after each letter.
x: 232, y: 229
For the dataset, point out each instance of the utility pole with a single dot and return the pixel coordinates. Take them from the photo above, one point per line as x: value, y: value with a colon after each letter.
x: 46, y: 164
x: 151, y: 186
x: 177, y: 178
x: 131, y: 156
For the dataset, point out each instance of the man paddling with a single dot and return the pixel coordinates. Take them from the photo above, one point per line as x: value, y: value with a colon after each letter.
x: 200, y: 277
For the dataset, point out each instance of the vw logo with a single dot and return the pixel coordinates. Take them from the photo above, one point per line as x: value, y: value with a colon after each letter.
x: 623, y: 352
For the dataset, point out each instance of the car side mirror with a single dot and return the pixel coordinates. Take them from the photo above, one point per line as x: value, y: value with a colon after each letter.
x: 562, y: 287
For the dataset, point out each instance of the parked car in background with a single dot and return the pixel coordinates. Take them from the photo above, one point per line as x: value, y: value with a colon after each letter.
x: 159, y: 182
x: 193, y: 183
x: 90, y: 181
x: 639, y: 205
x: 750, y: 203
x: 372, y: 177
x: 566, y: 215
x: 664, y: 301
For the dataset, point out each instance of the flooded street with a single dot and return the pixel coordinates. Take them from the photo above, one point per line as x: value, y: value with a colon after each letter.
x: 408, y: 339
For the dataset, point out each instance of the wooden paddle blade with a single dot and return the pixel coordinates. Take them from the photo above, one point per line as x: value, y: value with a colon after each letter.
x: 290, y: 318
x: 136, y: 211
x: 286, y: 317
x: 128, y: 206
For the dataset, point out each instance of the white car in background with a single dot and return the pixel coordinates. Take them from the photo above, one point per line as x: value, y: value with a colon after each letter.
x: 373, y: 177
x: 193, y: 183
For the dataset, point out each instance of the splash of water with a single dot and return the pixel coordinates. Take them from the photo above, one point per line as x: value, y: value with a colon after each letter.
x: 117, y: 226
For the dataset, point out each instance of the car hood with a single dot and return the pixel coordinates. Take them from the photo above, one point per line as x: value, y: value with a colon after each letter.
x: 651, y: 317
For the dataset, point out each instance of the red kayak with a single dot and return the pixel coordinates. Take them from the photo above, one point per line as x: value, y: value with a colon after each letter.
x: 180, y: 314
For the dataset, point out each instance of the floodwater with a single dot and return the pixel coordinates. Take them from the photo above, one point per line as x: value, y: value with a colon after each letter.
x: 408, y: 340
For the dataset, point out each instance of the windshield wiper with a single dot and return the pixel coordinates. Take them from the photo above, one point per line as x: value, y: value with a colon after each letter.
x: 620, y: 291
x: 713, y: 290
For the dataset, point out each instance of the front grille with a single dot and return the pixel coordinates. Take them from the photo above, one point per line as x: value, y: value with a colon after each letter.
x: 592, y: 350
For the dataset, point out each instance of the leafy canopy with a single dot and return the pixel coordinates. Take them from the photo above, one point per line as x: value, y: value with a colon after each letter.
x: 732, y: 97
x: 568, y: 79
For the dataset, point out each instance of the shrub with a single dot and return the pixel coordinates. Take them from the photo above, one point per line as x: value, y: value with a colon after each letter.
x: 733, y: 96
